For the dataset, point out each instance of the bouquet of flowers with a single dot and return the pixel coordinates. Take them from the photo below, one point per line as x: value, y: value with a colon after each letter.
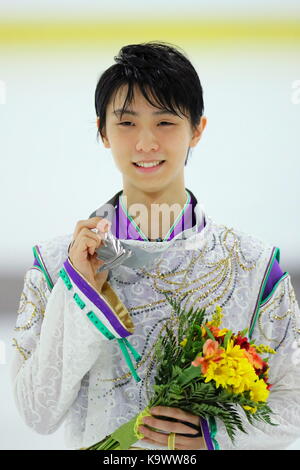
x: 205, y: 370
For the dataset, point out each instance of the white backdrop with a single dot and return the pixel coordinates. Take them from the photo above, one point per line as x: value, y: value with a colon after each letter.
x: 76, y: 8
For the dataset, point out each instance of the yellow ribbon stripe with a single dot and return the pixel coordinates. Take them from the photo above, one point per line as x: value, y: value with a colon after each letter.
x: 197, y: 31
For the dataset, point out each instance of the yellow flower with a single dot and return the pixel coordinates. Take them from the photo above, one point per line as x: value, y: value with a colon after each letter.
x: 203, y: 331
x: 259, y: 391
x: 233, y: 371
x: 252, y: 409
x: 183, y: 342
x: 217, y: 372
x: 243, y: 372
x: 263, y: 348
x: 217, y: 316
x: 222, y: 332
x: 218, y: 309
x: 234, y: 352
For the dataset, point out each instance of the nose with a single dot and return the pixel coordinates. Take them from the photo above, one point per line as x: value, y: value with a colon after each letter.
x: 146, y: 142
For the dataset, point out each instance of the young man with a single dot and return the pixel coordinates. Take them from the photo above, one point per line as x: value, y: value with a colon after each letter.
x: 150, y: 135
x: 72, y: 319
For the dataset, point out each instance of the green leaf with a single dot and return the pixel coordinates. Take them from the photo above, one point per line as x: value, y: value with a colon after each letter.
x: 188, y: 375
x: 244, y: 332
x: 159, y: 388
x: 209, y: 333
x: 198, y: 329
x: 227, y: 338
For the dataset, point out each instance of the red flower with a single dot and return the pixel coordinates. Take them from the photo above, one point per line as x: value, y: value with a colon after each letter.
x: 266, y: 381
x: 265, y: 367
x: 242, y: 342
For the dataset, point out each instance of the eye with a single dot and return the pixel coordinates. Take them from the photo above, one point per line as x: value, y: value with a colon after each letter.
x: 124, y: 124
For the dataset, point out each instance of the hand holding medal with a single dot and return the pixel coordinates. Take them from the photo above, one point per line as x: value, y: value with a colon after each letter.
x: 88, y: 236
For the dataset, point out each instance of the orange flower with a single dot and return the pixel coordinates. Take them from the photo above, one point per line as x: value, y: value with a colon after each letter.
x: 214, y: 329
x: 202, y: 362
x: 211, y: 348
x: 254, y: 358
x: 211, y: 351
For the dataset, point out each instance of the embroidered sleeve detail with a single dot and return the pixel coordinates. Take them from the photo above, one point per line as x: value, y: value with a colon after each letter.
x: 112, y: 319
x: 109, y: 307
x: 279, y: 315
x: 274, y: 281
x: 24, y: 353
x: 79, y: 301
x: 65, y: 278
x: 55, y: 347
x: 118, y: 307
x: 39, y: 264
x: 30, y: 313
x: 272, y: 277
x: 99, y: 325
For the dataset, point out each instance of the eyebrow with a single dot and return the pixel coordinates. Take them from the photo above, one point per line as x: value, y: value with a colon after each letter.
x: 133, y: 113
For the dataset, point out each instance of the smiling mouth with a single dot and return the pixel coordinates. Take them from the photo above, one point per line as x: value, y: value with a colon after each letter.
x: 154, y: 166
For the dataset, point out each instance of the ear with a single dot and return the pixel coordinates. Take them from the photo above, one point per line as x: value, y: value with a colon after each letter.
x: 104, y: 138
x: 198, y: 132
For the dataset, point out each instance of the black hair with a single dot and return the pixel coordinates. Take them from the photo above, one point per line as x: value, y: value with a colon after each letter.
x: 156, y: 66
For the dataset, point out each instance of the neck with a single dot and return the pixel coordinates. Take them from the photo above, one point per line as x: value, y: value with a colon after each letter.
x: 154, y: 212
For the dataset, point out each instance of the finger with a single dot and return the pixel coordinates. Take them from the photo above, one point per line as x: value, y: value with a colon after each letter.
x: 180, y: 442
x: 89, y: 223
x: 168, y: 426
x: 162, y: 439
x: 86, y: 234
x: 192, y: 444
x: 104, y: 225
x: 176, y: 413
x: 152, y: 442
x: 89, y: 233
x: 189, y: 444
x: 155, y: 437
x: 88, y: 245
x: 177, y: 446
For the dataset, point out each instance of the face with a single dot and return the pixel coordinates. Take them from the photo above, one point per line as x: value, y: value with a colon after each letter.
x: 146, y: 136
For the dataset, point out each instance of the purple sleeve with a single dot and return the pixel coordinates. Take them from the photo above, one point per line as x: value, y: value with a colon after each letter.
x: 275, y: 274
x: 206, y: 434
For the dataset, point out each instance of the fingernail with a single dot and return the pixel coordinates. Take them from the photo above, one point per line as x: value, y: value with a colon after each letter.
x: 108, y: 225
x: 100, y: 226
x: 103, y: 225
